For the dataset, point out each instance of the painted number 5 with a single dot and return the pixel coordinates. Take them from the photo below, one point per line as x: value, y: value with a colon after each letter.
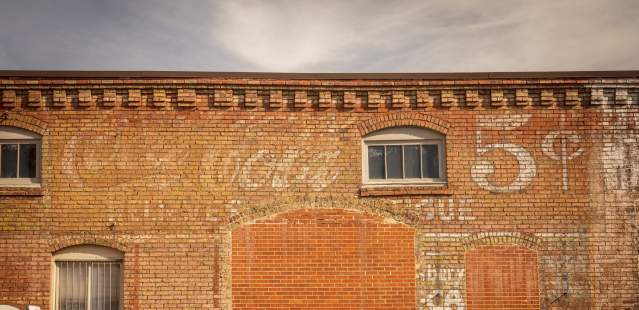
x: 482, y: 169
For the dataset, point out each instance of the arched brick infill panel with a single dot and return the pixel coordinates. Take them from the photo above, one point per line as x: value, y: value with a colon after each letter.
x: 323, y: 258
x: 502, y: 276
x: 403, y: 119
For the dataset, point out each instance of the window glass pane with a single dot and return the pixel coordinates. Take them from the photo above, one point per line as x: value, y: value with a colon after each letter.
x: 27, y: 160
x: 394, y: 162
x: 74, y: 291
x: 9, y: 163
x: 411, y: 162
x: 105, y: 285
x: 430, y: 161
x: 376, y: 162
x: 72, y: 285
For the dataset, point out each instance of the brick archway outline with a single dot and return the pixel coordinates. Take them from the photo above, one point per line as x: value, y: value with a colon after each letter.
x: 60, y: 243
x: 403, y: 119
x: 24, y: 122
x: 501, y: 238
x: 388, y: 213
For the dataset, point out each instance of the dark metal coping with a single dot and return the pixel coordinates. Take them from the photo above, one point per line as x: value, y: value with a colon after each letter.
x: 60, y: 74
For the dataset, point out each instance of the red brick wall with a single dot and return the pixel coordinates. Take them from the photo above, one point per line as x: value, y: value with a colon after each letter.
x: 323, y: 259
x: 502, y: 277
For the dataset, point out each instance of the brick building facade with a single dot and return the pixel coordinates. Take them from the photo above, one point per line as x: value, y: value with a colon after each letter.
x: 258, y: 191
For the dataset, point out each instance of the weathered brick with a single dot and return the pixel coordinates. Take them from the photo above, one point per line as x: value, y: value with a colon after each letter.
x: 159, y: 98
x: 9, y: 98
x: 264, y: 205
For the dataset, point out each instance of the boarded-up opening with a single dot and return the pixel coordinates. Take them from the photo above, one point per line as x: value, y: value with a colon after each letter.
x: 323, y: 258
x: 502, y: 277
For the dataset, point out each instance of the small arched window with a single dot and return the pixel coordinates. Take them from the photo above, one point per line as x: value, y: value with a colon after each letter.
x: 88, y: 277
x: 404, y: 155
x: 19, y: 157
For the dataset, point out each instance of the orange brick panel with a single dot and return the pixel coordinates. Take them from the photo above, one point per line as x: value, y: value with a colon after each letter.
x: 323, y: 259
x: 502, y: 277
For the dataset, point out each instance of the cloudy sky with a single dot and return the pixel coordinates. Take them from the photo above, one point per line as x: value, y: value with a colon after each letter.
x: 320, y: 35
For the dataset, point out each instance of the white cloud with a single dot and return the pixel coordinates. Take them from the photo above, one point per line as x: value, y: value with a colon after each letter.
x: 321, y: 36
x: 436, y: 36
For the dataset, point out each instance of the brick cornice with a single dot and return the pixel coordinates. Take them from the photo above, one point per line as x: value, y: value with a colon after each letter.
x: 314, y: 95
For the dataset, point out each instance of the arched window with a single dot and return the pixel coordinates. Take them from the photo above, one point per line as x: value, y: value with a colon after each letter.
x: 19, y: 157
x: 88, y: 277
x: 403, y: 155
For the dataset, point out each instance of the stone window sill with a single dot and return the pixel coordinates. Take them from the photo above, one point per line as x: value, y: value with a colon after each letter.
x: 404, y: 190
x: 7, y: 190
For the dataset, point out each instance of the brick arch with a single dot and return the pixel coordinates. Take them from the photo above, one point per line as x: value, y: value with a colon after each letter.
x: 403, y: 119
x: 501, y: 238
x: 60, y: 243
x: 383, y: 211
x: 24, y: 122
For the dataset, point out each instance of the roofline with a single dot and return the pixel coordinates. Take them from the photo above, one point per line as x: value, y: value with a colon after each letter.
x: 60, y: 74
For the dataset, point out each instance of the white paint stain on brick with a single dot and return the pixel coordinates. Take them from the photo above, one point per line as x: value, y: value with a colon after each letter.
x: 620, y: 149
x: 482, y: 169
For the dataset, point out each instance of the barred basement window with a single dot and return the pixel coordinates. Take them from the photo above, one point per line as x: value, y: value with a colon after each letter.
x: 88, y: 277
x: 19, y: 157
x: 403, y: 155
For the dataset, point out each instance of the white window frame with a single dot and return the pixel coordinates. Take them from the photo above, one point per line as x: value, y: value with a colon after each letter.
x: 86, y: 253
x: 401, y: 136
x: 13, y: 135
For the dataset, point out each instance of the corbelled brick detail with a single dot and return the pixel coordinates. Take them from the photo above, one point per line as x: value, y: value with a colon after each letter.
x: 159, y: 98
x: 223, y: 98
x: 275, y: 99
x: 59, y: 98
x: 548, y: 97
x: 572, y: 97
x: 399, y: 100
x: 351, y: 100
x: 472, y: 98
x: 109, y: 98
x: 301, y: 100
x: 375, y: 100
x: 134, y: 98
x: 448, y: 98
x: 85, y: 98
x: 424, y: 99
x: 497, y: 98
x: 621, y: 96
x: 522, y: 98
x: 186, y: 97
x: 597, y: 96
x: 325, y: 99
x: 250, y: 98
x: 9, y: 98
x: 34, y: 98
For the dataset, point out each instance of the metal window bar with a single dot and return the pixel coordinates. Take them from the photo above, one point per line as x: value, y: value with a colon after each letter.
x: 101, y: 290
